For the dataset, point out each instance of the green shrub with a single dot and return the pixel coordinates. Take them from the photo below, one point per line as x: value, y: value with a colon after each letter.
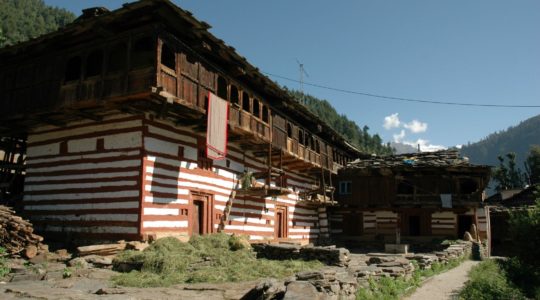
x: 488, y: 282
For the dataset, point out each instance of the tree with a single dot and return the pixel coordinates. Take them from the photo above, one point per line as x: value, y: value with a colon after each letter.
x: 507, y: 176
x: 26, y: 19
x: 532, y: 165
x: 3, y: 39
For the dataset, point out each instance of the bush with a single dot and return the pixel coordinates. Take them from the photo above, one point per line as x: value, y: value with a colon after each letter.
x: 488, y: 282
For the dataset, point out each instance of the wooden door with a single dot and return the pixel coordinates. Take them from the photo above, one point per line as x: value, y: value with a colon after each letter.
x: 201, y: 221
x: 197, y: 218
x: 353, y: 223
x: 280, y: 222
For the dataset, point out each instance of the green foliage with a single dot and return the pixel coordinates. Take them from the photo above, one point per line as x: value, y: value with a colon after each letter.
x: 26, y: 19
x: 508, y: 176
x: 525, y: 232
x: 488, y: 281
x: 4, y: 269
x: 66, y: 273
x: 208, y: 258
x: 517, y: 139
x: 360, y: 138
x: 532, y: 165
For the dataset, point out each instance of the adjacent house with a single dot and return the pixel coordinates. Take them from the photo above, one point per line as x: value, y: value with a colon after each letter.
x: 501, y: 205
x: 139, y: 123
x: 417, y: 196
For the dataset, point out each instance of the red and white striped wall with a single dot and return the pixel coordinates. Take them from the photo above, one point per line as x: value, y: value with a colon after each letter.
x: 131, y: 176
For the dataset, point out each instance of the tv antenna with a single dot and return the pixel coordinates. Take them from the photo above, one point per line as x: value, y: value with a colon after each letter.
x: 303, y: 72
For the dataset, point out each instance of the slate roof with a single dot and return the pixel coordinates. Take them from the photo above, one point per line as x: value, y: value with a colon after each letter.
x: 440, y: 160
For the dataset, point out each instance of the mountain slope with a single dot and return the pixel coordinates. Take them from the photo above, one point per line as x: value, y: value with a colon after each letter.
x: 516, y: 139
x: 359, y: 137
x: 26, y: 19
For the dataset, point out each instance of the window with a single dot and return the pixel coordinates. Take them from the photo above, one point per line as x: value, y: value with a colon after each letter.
x: 301, y: 137
x: 143, y: 53
x: 405, y: 188
x: 265, y: 113
x: 94, y: 63
x: 222, y: 88
x: 117, y: 58
x: 245, y: 101
x: 345, y: 187
x: 235, y: 95
x: 168, y: 57
x: 256, y: 108
x: 73, y: 69
x: 289, y: 130
x: 468, y: 186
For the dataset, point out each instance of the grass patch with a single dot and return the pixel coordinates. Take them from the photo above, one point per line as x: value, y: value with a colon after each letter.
x: 491, y: 280
x: 208, y: 258
x: 4, y: 269
x: 388, y: 288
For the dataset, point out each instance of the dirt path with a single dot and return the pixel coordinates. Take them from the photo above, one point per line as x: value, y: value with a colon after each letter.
x: 445, y: 285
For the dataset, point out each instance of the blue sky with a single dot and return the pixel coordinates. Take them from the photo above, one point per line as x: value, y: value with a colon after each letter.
x: 482, y: 51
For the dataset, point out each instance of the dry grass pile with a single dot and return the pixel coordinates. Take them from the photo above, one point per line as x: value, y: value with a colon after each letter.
x: 208, y: 258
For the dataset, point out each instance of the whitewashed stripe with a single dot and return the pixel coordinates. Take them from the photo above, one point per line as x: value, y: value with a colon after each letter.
x: 112, y: 205
x: 92, y: 229
x: 165, y: 224
x: 86, y: 166
x: 46, y: 187
x: 245, y: 210
x: 33, y: 178
x: 304, y: 230
x: 302, y: 210
x: 249, y: 228
x: 248, y: 220
x: 91, y: 128
x: 162, y: 200
x: 89, y: 217
x: 48, y: 149
x: 152, y: 211
x: 78, y: 196
x: 442, y: 226
x: 82, y: 157
x: 172, y: 134
x: 160, y: 189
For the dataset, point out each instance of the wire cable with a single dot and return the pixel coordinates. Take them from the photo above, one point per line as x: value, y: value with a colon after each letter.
x: 391, y: 98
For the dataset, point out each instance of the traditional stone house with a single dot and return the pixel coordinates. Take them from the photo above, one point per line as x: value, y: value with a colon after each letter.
x: 419, y: 196
x: 113, y: 111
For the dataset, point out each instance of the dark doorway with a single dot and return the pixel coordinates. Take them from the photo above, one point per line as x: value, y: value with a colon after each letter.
x: 414, y: 225
x: 353, y: 224
x: 198, y: 217
x: 280, y: 226
x: 464, y: 224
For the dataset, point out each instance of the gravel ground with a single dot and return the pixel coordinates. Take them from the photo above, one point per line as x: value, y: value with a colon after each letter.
x: 446, y: 285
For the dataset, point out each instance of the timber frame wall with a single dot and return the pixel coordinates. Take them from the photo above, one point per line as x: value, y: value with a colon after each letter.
x: 113, y: 109
x: 385, y: 200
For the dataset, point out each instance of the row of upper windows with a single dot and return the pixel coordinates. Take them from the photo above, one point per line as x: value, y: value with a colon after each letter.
x: 224, y: 90
x: 115, y: 59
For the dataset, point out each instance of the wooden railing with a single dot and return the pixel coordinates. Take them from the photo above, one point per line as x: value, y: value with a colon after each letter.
x: 244, y: 121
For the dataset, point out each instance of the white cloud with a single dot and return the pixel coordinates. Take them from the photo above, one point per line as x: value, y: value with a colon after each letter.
x: 399, y: 137
x: 391, y: 121
x: 459, y: 146
x: 415, y: 126
x: 425, y: 146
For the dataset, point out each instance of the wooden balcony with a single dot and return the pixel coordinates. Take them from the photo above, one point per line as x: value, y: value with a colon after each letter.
x: 243, y: 124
